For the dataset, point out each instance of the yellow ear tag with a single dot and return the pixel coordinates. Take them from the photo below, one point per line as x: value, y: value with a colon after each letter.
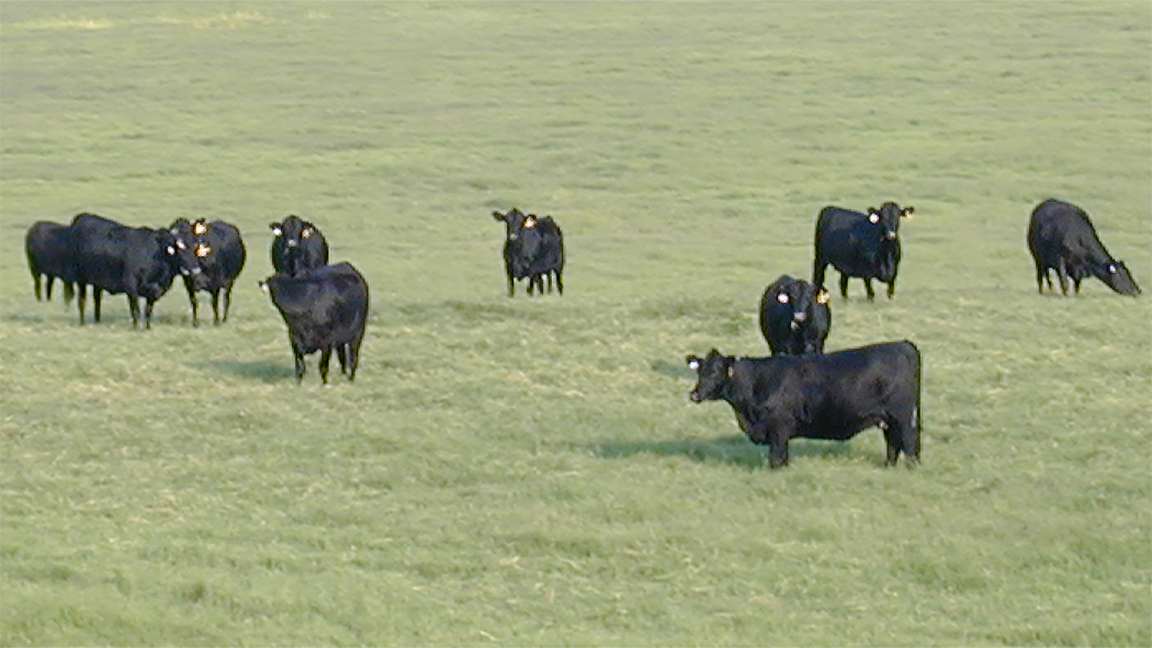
x: 203, y: 250
x: 200, y: 228
x: 530, y: 223
x: 306, y: 233
x: 822, y: 297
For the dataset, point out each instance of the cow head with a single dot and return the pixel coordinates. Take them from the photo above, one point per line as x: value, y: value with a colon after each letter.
x: 888, y: 218
x: 293, y: 231
x: 1118, y: 278
x: 180, y: 245
x: 712, y: 374
x: 513, y: 222
x: 796, y: 299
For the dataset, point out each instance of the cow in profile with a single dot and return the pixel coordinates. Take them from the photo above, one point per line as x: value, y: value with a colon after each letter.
x: 49, y: 248
x: 298, y: 245
x: 220, y: 252
x: 1061, y: 238
x: 794, y: 316
x: 140, y: 262
x: 533, y: 249
x: 866, y: 246
x: 326, y: 310
x: 819, y: 396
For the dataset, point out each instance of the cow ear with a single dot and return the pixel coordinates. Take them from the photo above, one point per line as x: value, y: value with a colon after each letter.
x: 908, y: 211
x: 273, y: 226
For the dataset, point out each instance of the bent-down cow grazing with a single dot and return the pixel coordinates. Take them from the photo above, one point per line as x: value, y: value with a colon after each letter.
x: 794, y: 316
x: 136, y: 261
x: 866, y: 246
x: 220, y: 252
x: 49, y: 248
x: 1061, y: 238
x: 831, y: 396
x: 326, y: 309
x: 533, y: 249
x: 298, y: 245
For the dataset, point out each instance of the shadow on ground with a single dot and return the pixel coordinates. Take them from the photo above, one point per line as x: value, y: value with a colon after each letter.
x: 733, y: 450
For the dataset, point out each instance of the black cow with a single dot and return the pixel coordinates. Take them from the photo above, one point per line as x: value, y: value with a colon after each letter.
x: 49, y: 248
x: 831, y: 396
x: 326, y: 309
x: 1061, y: 238
x: 298, y: 245
x: 220, y: 252
x: 859, y: 245
x: 533, y: 249
x: 794, y: 316
x: 136, y: 261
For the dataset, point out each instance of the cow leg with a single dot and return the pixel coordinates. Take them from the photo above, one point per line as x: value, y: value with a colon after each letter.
x: 892, y: 288
x: 844, y: 285
x: 559, y: 283
x: 868, y: 289
x: 1075, y: 284
x: 216, y: 306
x: 818, y: 268
x: 354, y: 356
x: 298, y: 357
x: 227, y: 301
x: 511, y: 285
x: 1062, y: 275
x: 81, y: 300
x: 1041, y: 274
x: 194, y: 301
x: 325, y: 358
x: 36, y: 284
x: 342, y: 356
x: 134, y: 309
x: 149, y: 304
x: 778, y: 448
x: 96, y: 303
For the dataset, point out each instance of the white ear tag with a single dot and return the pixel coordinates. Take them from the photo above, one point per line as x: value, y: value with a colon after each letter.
x: 694, y: 365
x: 276, y: 231
x: 782, y: 298
x: 180, y: 244
x: 306, y: 233
x: 873, y: 218
x: 731, y: 370
x: 171, y: 250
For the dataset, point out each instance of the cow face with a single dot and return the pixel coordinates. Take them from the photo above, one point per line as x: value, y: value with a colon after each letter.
x: 513, y: 222
x: 179, y: 247
x: 888, y: 218
x: 712, y: 374
x: 293, y: 231
x: 795, y: 299
x: 1118, y: 278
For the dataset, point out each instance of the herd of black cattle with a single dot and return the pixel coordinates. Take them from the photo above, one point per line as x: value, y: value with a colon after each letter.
x: 801, y: 392
x: 325, y: 306
x: 796, y: 392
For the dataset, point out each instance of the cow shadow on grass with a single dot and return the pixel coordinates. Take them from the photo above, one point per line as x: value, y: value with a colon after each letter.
x: 261, y: 370
x: 735, y: 450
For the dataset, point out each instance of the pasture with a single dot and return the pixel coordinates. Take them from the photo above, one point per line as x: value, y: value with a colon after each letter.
x: 530, y: 471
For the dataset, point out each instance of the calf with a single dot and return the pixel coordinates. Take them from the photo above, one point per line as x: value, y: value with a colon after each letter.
x: 49, y: 249
x: 136, y: 261
x: 533, y: 249
x: 1062, y: 238
x: 220, y: 252
x: 326, y: 309
x: 794, y: 316
x: 298, y: 245
x: 859, y: 245
x: 831, y: 396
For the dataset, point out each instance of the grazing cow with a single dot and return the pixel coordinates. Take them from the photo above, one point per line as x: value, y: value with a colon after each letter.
x: 136, y: 261
x: 1061, y: 238
x: 49, y: 249
x: 794, y: 316
x: 859, y: 245
x: 326, y: 309
x: 298, y: 245
x: 533, y: 249
x: 832, y: 396
x: 219, y: 249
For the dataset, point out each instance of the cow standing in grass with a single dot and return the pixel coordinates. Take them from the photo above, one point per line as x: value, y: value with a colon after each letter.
x: 298, y: 245
x: 794, y: 316
x: 533, y: 250
x: 832, y: 396
x: 326, y: 310
x: 1061, y: 238
x: 140, y: 262
x: 219, y: 249
x: 50, y: 250
x: 866, y: 246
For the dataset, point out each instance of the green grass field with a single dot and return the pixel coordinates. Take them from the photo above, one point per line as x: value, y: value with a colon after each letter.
x: 530, y: 471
